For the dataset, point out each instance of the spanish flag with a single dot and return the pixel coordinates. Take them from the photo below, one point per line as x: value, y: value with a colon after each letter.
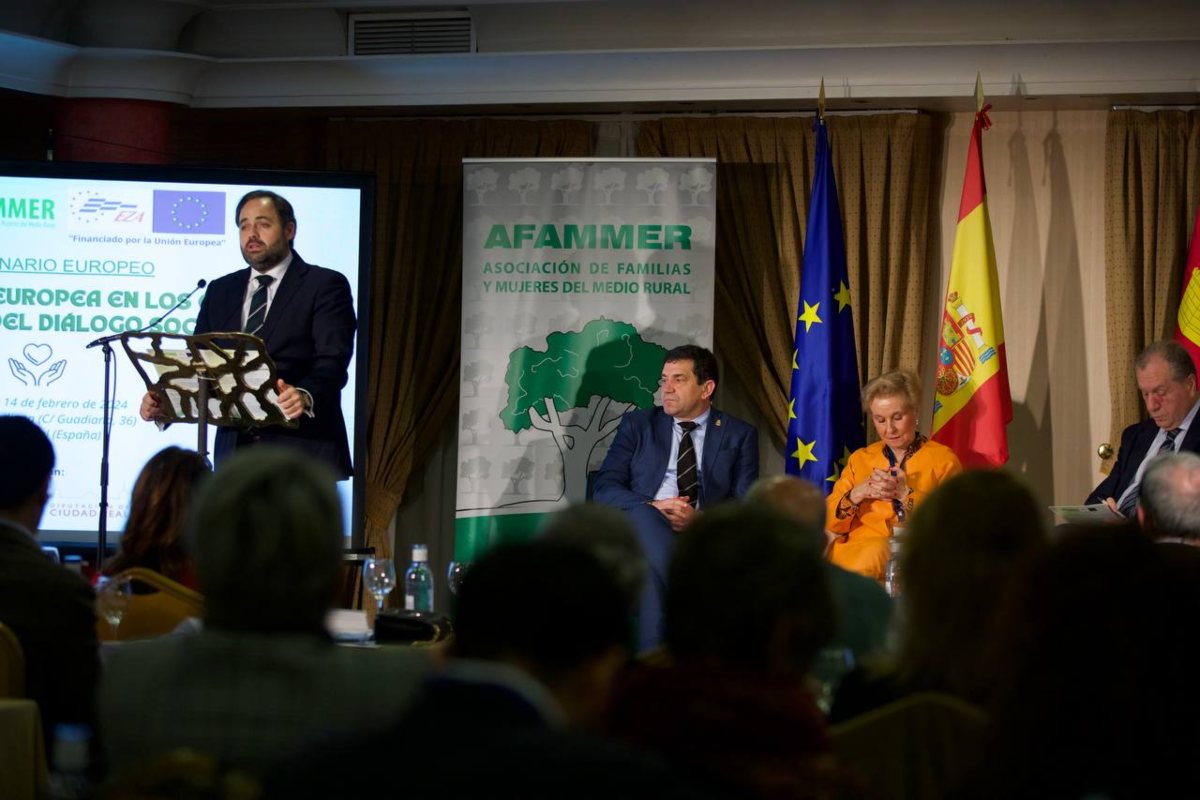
x: 972, y: 404
x: 1187, y: 322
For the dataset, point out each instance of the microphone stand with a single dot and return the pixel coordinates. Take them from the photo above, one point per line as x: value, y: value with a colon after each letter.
x: 105, y: 343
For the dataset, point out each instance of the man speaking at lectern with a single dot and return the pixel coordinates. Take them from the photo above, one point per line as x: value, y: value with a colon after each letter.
x: 304, y: 314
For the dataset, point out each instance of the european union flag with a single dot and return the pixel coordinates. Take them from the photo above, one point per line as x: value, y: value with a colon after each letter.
x: 824, y: 412
x: 188, y: 212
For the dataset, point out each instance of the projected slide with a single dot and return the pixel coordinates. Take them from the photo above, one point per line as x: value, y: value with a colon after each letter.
x: 88, y: 252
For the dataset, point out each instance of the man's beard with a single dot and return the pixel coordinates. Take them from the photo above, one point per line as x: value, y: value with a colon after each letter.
x: 269, y: 256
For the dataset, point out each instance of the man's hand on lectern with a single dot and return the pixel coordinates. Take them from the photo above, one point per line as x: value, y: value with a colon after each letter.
x: 152, y: 408
x: 292, y: 402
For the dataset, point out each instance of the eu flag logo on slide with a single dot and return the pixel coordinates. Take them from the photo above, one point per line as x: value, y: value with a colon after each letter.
x: 189, y: 212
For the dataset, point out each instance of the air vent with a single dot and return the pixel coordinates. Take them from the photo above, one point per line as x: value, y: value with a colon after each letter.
x: 414, y: 33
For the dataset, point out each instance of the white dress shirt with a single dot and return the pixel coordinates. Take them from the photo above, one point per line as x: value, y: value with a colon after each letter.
x: 277, y: 272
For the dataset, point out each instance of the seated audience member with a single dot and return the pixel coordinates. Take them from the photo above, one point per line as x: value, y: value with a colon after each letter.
x: 49, y: 608
x: 863, y: 608
x: 153, y: 535
x: 541, y: 632
x: 1096, y: 671
x: 1169, y: 510
x: 966, y: 544
x: 608, y: 535
x: 748, y: 607
x: 1166, y: 377
x: 883, y: 483
x: 263, y: 678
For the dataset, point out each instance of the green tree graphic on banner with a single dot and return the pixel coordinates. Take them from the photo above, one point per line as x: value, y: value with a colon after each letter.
x: 606, y: 363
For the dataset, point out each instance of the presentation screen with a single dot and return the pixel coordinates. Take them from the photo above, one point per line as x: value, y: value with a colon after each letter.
x: 87, y: 251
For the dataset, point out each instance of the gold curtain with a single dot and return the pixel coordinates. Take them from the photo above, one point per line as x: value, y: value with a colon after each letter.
x: 416, y: 278
x: 764, y: 174
x: 1152, y: 189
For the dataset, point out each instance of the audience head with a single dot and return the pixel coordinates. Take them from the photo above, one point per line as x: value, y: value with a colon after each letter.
x: 1170, y: 498
x: 266, y: 533
x: 608, y: 535
x: 688, y: 382
x: 552, y: 610
x: 158, y: 506
x: 967, y: 542
x: 795, y: 498
x: 1096, y: 668
x: 25, y: 470
x: 1166, y: 377
x: 748, y: 590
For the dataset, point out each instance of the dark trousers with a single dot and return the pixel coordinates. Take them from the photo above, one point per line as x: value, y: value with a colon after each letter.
x: 658, y: 544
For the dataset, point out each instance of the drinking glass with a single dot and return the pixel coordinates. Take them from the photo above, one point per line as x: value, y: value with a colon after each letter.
x: 112, y: 600
x: 379, y: 576
x: 829, y: 667
x: 454, y: 575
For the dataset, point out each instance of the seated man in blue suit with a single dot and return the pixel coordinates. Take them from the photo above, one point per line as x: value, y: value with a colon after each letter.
x: 1166, y: 377
x: 671, y: 461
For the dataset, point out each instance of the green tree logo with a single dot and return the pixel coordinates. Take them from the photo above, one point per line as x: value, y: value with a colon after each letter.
x: 586, y: 372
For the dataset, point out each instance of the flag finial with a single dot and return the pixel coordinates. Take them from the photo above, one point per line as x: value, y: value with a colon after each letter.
x: 979, y: 99
x: 821, y: 101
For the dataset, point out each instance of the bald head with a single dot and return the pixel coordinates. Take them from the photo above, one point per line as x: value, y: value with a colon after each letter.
x: 1170, y: 498
x: 795, y: 498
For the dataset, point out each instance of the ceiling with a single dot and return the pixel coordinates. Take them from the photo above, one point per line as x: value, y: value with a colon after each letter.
x: 613, y: 56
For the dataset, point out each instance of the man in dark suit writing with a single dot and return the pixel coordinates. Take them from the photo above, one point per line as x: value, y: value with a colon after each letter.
x: 1166, y: 377
x: 669, y: 462
x: 305, y: 316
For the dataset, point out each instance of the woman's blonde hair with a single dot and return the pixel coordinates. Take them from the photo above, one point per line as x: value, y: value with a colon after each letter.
x: 890, y: 384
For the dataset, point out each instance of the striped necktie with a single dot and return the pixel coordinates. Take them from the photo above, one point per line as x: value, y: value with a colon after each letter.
x: 1128, y: 506
x: 258, y: 305
x: 687, y: 477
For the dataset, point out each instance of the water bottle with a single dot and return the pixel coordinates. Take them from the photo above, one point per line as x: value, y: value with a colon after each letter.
x: 71, y: 762
x: 891, y: 575
x: 418, y: 581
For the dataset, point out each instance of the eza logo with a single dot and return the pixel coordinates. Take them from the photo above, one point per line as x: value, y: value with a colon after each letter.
x: 189, y: 212
x: 91, y: 208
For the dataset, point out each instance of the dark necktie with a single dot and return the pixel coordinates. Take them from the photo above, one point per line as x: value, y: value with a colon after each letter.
x: 1129, y: 506
x: 687, y: 477
x: 258, y: 305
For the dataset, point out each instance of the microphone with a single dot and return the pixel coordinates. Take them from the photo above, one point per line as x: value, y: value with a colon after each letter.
x: 200, y: 284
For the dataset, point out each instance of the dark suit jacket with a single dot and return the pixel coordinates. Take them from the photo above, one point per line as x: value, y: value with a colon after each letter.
x: 465, y: 739
x: 637, y: 460
x: 51, y: 611
x: 1135, y: 443
x: 309, y: 333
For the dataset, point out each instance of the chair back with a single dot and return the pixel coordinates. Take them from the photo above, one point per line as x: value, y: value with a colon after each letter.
x: 919, y: 747
x: 155, y: 612
x: 180, y: 773
x: 12, y: 664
